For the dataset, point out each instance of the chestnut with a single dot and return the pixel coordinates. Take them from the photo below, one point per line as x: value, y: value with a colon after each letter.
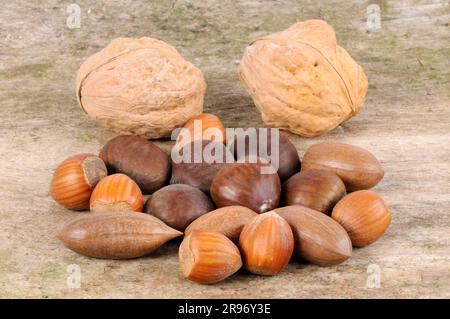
x: 197, y: 163
x: 288, y: 159
x: 317, y: 189
x: 207, y: 257
x: 116, y: 193
x: 246, y: 184
x: 178, y: 205
x: 75, y: 178
x: 140, y: 159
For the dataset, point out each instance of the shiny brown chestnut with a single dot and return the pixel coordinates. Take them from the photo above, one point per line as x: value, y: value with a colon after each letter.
x: 197, y: 163
x: 264, y: 142
x: 140, y: 159
x: 207, y: 257
x: 178, y: 205
x: 357, y: 167
x: 317, y: 189
x: 246, y: 184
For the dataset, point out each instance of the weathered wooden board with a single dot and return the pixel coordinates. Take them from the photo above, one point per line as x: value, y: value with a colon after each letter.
x: 405, y: 123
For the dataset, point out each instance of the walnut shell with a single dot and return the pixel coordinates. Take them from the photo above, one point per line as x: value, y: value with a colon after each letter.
x: 301, y: 80
x: 140, y: 86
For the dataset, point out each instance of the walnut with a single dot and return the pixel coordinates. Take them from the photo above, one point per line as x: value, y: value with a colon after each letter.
x: 301, y: 80
x: 140, y: 86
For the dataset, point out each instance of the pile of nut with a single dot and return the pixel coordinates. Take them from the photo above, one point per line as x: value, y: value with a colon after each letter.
x: 231, y: 214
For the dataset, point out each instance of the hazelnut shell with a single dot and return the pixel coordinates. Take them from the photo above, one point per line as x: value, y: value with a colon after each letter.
x: 207, y: 257
x: 116, y: 193
x: 75, y: 178
x: 364, y: 216
x: 266, y: 244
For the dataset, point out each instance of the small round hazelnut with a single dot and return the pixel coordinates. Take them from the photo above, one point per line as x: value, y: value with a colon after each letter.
x: 116, y: 193
x: 75, y: 178
x: 208, y: 258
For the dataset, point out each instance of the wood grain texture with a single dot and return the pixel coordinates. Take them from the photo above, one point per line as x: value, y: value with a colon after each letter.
x: 404, y: 123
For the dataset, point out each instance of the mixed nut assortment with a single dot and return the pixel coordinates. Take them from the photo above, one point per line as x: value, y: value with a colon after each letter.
x: 231, y: 214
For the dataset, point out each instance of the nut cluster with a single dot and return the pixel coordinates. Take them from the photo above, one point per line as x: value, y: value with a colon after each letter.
x: 232, y: 214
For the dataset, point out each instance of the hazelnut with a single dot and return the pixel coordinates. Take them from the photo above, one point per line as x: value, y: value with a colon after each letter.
x: 199, y: 173
x: 142, y: 160
x: 211, y: 128
x: 357, y: 167
x: 316, y: 189
x: 246, y: 185
x: 364, y: 216
x: 266, y: 244
x: 116, y: 235
x: 116, y: 193
x: 228, y: 221
x: 208, y: 258
x: 74, y: 180
x: 178, y: 205
x: 288, y: 159
x: 319, y: 239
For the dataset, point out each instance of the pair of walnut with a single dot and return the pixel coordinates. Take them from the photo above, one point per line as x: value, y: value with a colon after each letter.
x: 299, y: 79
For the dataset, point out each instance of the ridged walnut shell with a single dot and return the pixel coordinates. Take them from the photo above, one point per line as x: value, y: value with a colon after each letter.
x: 141, y: 87
x: 301, y: 80
x: 357, y: 167
x: 246, y: 185
x: 208, y: 258
x: 116, y: 193
x: 317, y: 189
x: 227, y: 221
x: 142, y: 160
x: 364, y: 216
x: 318, y: 238
x: 178, y: 205
x: 266, y: 244
x: 75, y: 178
x: 117, y: 235
x: 202, y: 127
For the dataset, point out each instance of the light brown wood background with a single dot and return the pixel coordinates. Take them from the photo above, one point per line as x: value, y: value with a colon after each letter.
x: 405, y: 123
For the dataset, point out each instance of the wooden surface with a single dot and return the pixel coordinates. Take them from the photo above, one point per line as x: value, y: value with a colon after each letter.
x: 405, y: 123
